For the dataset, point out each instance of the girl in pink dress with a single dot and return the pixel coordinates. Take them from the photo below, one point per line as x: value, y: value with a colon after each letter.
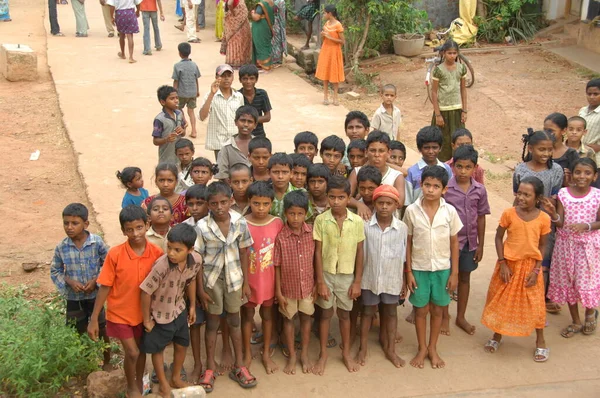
x: 575, y: 271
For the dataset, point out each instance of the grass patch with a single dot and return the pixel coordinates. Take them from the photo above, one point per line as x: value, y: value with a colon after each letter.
x: 586, y: 73
x: 490, y: 175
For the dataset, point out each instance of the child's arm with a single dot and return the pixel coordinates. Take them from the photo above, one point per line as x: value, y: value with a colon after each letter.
x: 399, y: 185
x: 175, y: 84
x: 463, y: 98
x: 556, y: 213
x: 282, y: 301
x: 191, y: 293
x: 354, y: 291
x: 149, y: 323
x: 505, y: 273
x: 246, y: 292
x: 322, y: 289
x: 480, y: 237
x: 454, y: 253
x: 57, y: 274
x: 205, y: 110
x: 162, y: 15
x: 410, y: 282
x: 93, y: 328
x: 157, y: 138
x: 200, y: 292
x: 535, y: 272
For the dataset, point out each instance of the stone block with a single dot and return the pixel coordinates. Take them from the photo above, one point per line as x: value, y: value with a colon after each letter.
x: 189, y: 392
x: 291, y: 49
x: 352, y: 95
x: 18, y: 62
x: 106, y: 385
x: 294, y: 67
x: 316, y: 56
x: 305, y: 60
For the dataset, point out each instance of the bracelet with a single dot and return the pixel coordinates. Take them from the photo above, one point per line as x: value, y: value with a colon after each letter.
x: 589, y: 226
x: 536, y: 270
x: 438, y: 115
x: 501, y: 260
x: 406, y: 271
x: 557, y: 218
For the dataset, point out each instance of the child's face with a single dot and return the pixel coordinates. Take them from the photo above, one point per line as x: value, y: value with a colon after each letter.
x: 331, y: 159
x: 259, y: 158
x: 295, y: 216
x: 197, y: 207
x: 338, y: 200
x: 526, y: 198
x: 160, y: 213
x: 317, y: 187
x: 309, y: 150
x: 575, y: 131
x: 74, y: 226
x: 430, y: 152
x: 378, y: 154
x: 385, y: 207
x: 397, y: 157
x: 239, y: 181
x: 185, y: 156
x: 542, y: 151
x: 245, y: 124
x: 172, y: 101
x: 299, y: 177
x: 260, y: 205
x: 356, y: 130
x: 137, y: 182
x: 225, y: 80
x: 553, y: 129
x: 460, y: 141
x: 583, y: 176
x: 178, y: 253
x: 166, y: 182
x: 451, y: 55
x: 219, y: 206
x: 201, y: 175
x: 135, y: 231
x: 280, y: 176
x: 388, y: 96
x: 356, y: 157
x: 593, y: 96
x: 248, y: 82
x: 432, y: 189
x: 463, y: 170
x: 366, y: 189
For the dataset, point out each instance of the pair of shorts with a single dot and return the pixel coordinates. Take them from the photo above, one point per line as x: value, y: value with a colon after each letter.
x: 79, y: 313
x: 200, y: 316
x: 431, y: 288
x: 466, y: 260
x: 369, y: 298
x: 305, y: 306
x: 190, y: 102
x: 122, y: 331
x: 222, y: 300
x: 161, y: 335
x: 338, y: 285
x: 266, y: 303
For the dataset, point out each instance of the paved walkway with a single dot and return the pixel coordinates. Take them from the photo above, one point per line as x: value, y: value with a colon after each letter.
x: 579, y: 56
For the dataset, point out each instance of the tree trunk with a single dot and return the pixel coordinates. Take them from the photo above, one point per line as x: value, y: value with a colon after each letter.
x: 361, y: 45
x: 481, y: 11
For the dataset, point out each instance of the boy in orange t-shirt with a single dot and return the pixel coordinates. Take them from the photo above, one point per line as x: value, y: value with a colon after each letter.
x: 150, y: 15
x: 125, y: 268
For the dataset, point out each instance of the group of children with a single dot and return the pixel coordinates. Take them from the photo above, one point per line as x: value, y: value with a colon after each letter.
x: 358, y: 232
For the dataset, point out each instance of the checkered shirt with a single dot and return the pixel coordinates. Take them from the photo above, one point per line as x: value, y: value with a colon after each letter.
x: 295, y: 254
x: 221, y: 119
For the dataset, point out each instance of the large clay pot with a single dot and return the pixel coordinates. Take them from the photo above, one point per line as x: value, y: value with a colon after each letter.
x: 408, y: 44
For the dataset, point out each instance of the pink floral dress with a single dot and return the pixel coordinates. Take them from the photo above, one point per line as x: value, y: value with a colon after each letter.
x: 575, y: 271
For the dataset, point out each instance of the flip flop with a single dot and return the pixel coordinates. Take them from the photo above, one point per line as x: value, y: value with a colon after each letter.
x: 243, y: 377
x: 271, y: 349
x: 284, y: 350
x: 256, y: 338
x: 207, y: 379
x: 154, y: 378
x: 544, y: 353
x: 571, y: 331
x: 182, y: 373
x: 493, y: 344
x: 552, y: 308
x: 590, y: 326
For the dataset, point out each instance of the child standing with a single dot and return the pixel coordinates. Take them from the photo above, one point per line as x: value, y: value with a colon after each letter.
x: 160, y: 214
x: 259, y: 153
x: 264, y: 228
x: 166, y: 181
x: 330, y: 67
x: 556, y: 124
x: 300, y: 170
x: 357, y: 150
x: 515, y: 299
x: 462, y: 137
x: 235, y: 149
x: 196, y: 204
x: 131, y: 178
x: 280, y: 170
x: 369, y: 179
x: 239, y: 180
x: 169, y: 125
x: 317, y: 177
x: 255, y: 97
x: 306, y: 143
x: 125, y: 267
x: 449, y: 96
x: 202, y: 171
x: 124, y: 15
x: 575, y: 275
x: 185, y: 81
x: 576, y: 129
x: 591, y: 114
x: 184, y: 149
x: 333, y: 149
x: 398, y: 154
x: 75, y: 267
x: 149, y: 14
x: 432, y: 263
x: 387, y: 117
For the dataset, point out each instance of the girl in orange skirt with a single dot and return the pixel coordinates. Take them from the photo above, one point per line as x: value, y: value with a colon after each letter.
x: 515, y: 300
x: 330, y: 67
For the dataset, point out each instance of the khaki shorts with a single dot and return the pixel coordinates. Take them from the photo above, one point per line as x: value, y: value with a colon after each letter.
x: 338, y: 285
x: 190, y: 102
x: 305, y: 306
x: 222, y: 299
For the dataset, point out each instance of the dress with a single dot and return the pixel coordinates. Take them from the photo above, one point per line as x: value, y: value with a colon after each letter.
x: 219, y: 27
x: 180, y: 210
x: 4, y: 11
x: 279, y: 41
x: 262, y: 34
x: 575, y: 271
x: 261, y: 273
x: 331, y: 61
x: 238, y: 39
x: 512, y: 309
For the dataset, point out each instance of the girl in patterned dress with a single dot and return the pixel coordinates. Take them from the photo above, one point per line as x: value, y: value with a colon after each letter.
x: 575, y: 272
x: 166, y: 181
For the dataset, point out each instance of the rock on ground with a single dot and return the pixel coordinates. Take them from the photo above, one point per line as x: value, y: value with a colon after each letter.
x: 106, y: 384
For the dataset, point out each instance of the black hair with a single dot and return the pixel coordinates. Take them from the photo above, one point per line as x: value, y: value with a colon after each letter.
x: 156, y: 199
x: 398, y: 146
x: 280, y: 158
x: 437, y: 172
x: 584, y: 161
x: 593, y: 83
x: 461, y: 132
x: 132, y: 213
x: 364, y: 120
x: 449, y: 45
x: 298, y: 198
x: 76, y: 210
x: 167, y: 167
x: 184, y: 143
x: 338, y: 182
x: 578, y: 119
x: 559, y: 119
x: 163, y: 92
x: 197, y: 191
x: 388, y: 87
x: 248, y: 70
x: 259, y: 142
x: 318, y: 170
x: 306, y: 137
x: 261, y: 189
x: 185, y: 49
x: 331, y: 9
x: 429, y: 134
x: 204, y: 162
x: 378, y: 136
x: 333, y: 142
x: 300, y: 160
x: 533, y: 138
x: 538, y: 187
x: 216, y: 188
x: 369, y: 173
x: 183, y: 233
x: 465, y: 152
x: 240, y: 167
x: 127, y: 175
x: 358, y: 143
x: 246, y: 110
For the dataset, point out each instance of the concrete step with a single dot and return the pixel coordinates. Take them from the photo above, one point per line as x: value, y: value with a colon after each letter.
x: 579, y: 56
x: 564, y: 39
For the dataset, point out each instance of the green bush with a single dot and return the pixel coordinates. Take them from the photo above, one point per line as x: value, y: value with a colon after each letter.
x: 39, y: 352
x: 517, y: 19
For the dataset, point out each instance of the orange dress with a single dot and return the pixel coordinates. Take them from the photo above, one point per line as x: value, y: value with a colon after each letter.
x: 511, y: 308
x: 330, y: 66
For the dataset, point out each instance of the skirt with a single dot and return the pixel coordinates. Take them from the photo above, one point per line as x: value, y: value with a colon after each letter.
x: 451, y: 124
x: 126, y: 21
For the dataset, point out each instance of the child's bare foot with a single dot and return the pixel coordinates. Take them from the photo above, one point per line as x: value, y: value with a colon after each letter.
x: 270, y: 366
x: 290, y: 366
x: 178, y: 383
x: 445, y: 326
x: 411, y: 317
x: 132, y: 61
x: 164, y: 391
x: 196, y: 373
x: 319, y: 368
x: 395, y: 359
x: 419, y: 360
x: 193, y: 135
x: 399, y: 338
x: 247, y: 360
x: 226, y: 362
x: 121, y: 55
x: 361, y: 356
x: 351, y: 365
x: 466, y: 326
x: 436, y: 361
x: 307, y: 366
x: 134, y: 393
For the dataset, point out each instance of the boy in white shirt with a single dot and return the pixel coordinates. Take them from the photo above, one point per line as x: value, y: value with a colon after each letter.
x: 387, y: 117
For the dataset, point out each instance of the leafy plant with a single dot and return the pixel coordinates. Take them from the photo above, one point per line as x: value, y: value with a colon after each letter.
x: 516, y: 19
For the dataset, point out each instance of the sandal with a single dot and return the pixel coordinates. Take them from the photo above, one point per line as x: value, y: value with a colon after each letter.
x: 207, y: 380
x: 552, y: 308
x: 331, y: 341
x: 243, y: 377
x: 454, y: 296
x: 544, y: 353
x: 257, y: 338
x: 492, y: 345
x: 271, y: 349
x: 590, y: 325
x: 284, y: 350
x: 325, y: 102
x: 182, y: 373
x: 571, y: 330
x: 154, y: 377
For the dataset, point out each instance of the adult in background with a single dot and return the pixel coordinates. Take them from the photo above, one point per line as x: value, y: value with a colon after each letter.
x: 110, y: 29
x: 201, y: 20
x: 4, y: 11
x: 262, y: 33
x: 279, y: 41
x: 237, y: 40
x: 81, y: 22
x: 53, y: 17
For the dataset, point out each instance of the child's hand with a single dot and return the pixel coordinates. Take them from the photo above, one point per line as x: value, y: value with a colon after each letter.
x: 531, y: 279
x: 162, y: 16
x: 354, y: 291
x: 577, y: 227
x: 439, y: 121
x: 411, y: 284
x: 452, y: 282
x: 191, y: 316
x: 363, y: 211
x: 102, y: 2
x: 214, y: 87
x: 197, y: 93
x: 567, y: 174
x: 172, y: 137
x: 463, y: 117
x: 75, y: 285
x: 90, y: 286
x: 148, y: 326
x: 93, y: 330
x: 478, y: 254
x: 205, y: 300
x: 323, y: 291
x: 282, y: 301
x: 246, y: 292
x: 505, y: 273
x: 549, y: 207
x: 179, y: 130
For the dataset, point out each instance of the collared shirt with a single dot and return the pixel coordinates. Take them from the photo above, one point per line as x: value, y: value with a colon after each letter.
x: 586, y: 152
x: 478, y: 171
x: 262, y: 104
x: 157, y: 239
x: 81, y: 265
x: 221, y: 119
x: 592, y: 119
x: 239, y: 209
x: 339, y: 247
x: 316, y: 211
x: 385, y: 122
x: 414, y: 178
x: 294, y: 254
x: 229, y: 155
x: 222, y: 254
x: 277, y: 204
x: 469, y: 206
x: 164, y: 125
x: 184, y: 180
x: 385, y: 254
x: 186, y: 73
x: 166, y: 285
x: 431, y: 240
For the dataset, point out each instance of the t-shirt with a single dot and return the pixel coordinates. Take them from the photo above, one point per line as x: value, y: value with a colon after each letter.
x: 567, y: 158
x: 261, y: 273
x: 186, y: 73
x: 164, y: 125
x: 551, y: 178
x: 449, y: 86
x: 130, y: 199
x: 123, y: 4
x: 148, y: 5
x: 262, y: 104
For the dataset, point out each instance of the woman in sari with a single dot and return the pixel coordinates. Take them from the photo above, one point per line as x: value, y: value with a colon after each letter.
x: 279, y: 42
x: 4, y: 12
x: 237, y: 40
x: 262, y: 34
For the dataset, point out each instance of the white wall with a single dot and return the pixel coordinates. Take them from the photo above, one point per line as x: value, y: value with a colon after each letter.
x: 554, y: 9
